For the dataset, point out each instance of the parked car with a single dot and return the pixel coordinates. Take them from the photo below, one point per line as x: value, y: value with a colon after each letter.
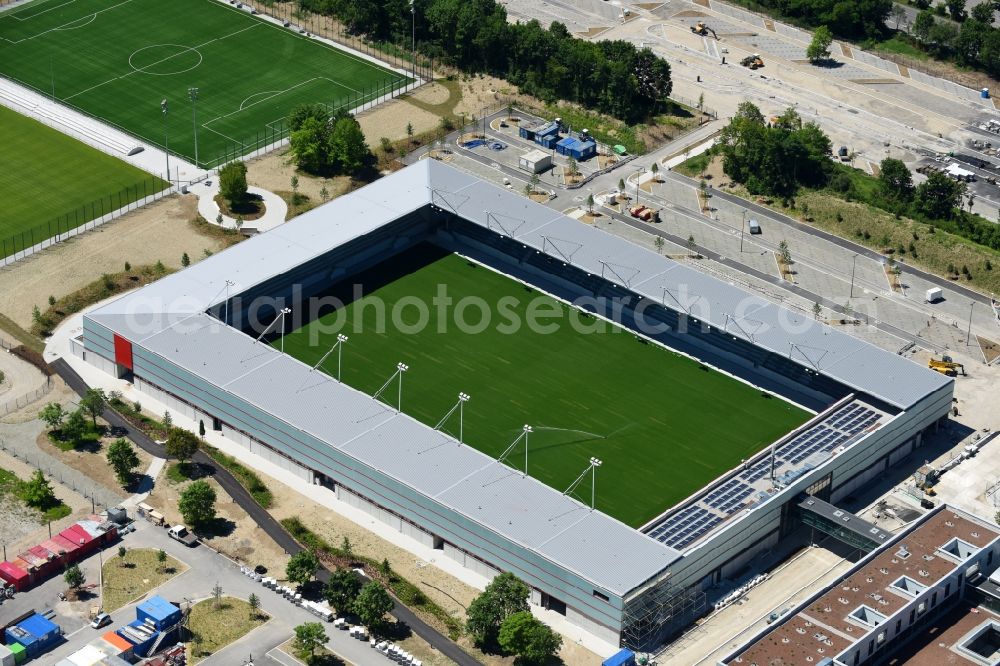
x: 101, y: 620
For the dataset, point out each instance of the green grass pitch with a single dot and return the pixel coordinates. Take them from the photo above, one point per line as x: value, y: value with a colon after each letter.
x: 117, y: 59
x: 45, y: 174
x: 663, y: 425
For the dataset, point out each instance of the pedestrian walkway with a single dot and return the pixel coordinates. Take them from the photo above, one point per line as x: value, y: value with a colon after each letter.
x: 275, y: 208
x: 20, y: 441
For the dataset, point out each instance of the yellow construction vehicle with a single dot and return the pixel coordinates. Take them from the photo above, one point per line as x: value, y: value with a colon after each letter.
x: 946, y: 366
x: 701, y: 29
x: 752, y: 61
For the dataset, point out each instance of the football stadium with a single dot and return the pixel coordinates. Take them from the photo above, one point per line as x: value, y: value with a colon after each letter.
x: 523, y: 392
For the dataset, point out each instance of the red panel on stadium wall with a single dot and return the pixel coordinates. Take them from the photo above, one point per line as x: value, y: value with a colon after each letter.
x: 123, y: 352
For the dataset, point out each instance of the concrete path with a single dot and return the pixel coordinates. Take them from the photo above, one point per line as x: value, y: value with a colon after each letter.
x: 276, y: 210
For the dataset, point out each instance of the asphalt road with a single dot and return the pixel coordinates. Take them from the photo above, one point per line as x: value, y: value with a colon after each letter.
x: 264, y: 519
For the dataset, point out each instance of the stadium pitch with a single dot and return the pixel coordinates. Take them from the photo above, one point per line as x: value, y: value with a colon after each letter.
x: 117, y: 59
x: 663, y: 425
x: 48, y: 182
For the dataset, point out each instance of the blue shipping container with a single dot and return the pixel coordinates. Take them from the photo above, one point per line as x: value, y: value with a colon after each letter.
x: 159, y: 611
x: 623, y: 658
x: 139, y: 634
x: 36, y: 633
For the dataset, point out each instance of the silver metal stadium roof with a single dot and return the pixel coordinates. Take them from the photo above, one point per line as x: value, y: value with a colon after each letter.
x: 168, y: 318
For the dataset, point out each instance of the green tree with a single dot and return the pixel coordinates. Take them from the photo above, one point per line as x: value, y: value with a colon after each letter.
x: 505, y: 595
x: 301, y: 567
x: 895, y: 180
x: 347, y: 146
x: 185, y: 260
x: 817, y: 309
x: 342, y: 589
x: 409, y: 131
x: 983, y: 13
x: 53, y: 415
x: 324, y: 194
x: 37, y: 492
x: 299, y: 114
x: 93, y: 402
x: 161, y: 559
x: 658, y: 243
x: 74, y: 577
x: 253, y: 601
x: 309, y: 637
x: 197, y: 503
x: 182, y: 445
x: 923, y: 25
x: 310, y: 145
x: 233, y: 182
x: 123, y: 460
x: 217, y: 596
x: 956, y: 8
x: 524, y: 635
x: 75, y: 427
x: 590, y: 204
x: 819, y: 48
x: 371, y: 605
x: 938, y: 196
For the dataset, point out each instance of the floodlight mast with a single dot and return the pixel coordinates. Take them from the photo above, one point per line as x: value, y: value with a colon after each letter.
x: 400, y: 369
x: 460, y: 406
x: 193, y: 96
x: 592, y: 466
x: 338, y: 345
x: 523, y: 435
x: 165, y: 109
x: 280, y: 317
x: 229, y: 283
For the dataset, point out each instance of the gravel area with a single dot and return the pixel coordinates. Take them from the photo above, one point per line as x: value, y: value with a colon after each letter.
x: 22, y: 527
x: 159, y: 231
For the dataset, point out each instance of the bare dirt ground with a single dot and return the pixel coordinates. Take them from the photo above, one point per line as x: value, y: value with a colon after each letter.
x: 22, y: 527
x: 246, y: 542
x: 20, y: 377
x: 448, y: 592
x: 158, y: 232
x: 274, y: 172
x: 93, y: 462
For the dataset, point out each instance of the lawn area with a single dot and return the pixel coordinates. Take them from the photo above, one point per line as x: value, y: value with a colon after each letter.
x: 214, y: 628
x: 117, y: 61
x: 141, y: 574
x: 10, y: 484
x: 47, y: 175
x: 900, y: 46
x: 663, y: 424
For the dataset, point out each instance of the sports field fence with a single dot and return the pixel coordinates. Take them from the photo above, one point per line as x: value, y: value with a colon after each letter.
x: 83, y: 218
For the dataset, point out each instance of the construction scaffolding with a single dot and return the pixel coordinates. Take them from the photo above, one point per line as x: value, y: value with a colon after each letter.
x: 659, y: 612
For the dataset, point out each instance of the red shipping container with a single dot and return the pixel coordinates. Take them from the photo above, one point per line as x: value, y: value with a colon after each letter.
x: 67, y: 546
x: 15, y: 575
x: 50, y: 560
x: 80, y: 537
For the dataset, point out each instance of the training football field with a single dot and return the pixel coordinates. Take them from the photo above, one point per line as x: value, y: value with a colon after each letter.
x: 662, y: 424
x: 51, y: 183
x: 117, y: 59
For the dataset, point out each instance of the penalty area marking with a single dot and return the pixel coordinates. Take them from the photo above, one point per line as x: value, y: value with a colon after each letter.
x: 76, y: 24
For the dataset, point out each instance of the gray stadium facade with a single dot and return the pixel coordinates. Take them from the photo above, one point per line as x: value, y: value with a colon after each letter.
x: 175, y: 340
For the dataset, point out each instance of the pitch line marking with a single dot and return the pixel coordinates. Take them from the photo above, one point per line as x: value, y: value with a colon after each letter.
x: 16, y: 15
x: 266, y: 92
x: 272, y: 96
x: 92, y: 17
x: 59, y: 27
x: 134, y: 71
x: 342, y: 52
x: 183, y: 49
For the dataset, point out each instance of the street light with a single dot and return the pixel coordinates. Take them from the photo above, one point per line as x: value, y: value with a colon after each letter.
x: 193, y: 96
x: 166, y: 136
x: 639, y: 171
x: 743, y: 226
